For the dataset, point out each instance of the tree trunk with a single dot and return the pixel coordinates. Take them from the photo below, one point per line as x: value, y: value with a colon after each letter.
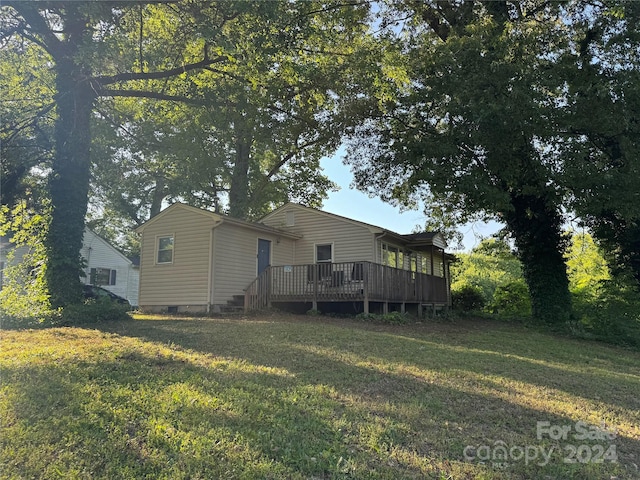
x: 239, y: 189
x: 158, y: 196
x: 69, y: 182
x: 537, y: 229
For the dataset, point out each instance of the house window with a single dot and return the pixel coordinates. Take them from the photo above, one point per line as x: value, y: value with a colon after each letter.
x: 103, y: 276
x: 324, y: 253
x: 391, y: 256
x: 424, y: 264
x: 165, y: 249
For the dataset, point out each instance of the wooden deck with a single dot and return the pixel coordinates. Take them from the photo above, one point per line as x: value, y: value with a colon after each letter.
x: 344, y: 282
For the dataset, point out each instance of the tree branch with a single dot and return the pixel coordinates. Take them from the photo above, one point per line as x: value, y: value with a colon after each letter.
x: 276, y: 168
x: 20, y: 126
x: 29, y: 13
x: 337, y: 7
x: 104, y: 92
x: 125, y: 77
x: 433, y: 19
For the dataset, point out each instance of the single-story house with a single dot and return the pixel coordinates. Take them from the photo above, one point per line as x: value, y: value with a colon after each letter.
x: 194, y: 260
x: 109, y: 268
x: 104, y: 265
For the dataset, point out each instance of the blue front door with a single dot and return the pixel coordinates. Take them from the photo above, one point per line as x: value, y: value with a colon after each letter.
x: 264, y: 254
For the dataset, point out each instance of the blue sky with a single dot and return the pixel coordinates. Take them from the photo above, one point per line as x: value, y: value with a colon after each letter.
x: 354, y: 204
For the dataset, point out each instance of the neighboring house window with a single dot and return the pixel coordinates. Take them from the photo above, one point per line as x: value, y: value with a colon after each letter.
x: 324, y: 253
x: 103, y: 276
x: 165, y: 249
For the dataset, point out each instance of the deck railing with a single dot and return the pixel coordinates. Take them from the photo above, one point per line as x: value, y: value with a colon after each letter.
x: 348, y: 281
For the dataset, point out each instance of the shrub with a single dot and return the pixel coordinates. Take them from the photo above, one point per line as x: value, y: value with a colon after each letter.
x: 511, y: 299
x: 613, y: 315
x: 87, y: 313
x: 393, y: 318
x: 468, y: 298
x: 92, y: 311
x: 488, y: 265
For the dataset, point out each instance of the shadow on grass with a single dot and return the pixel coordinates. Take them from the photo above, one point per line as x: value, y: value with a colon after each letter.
x: 142, y: 416
x: 582, y: 369
x: 408, y: 404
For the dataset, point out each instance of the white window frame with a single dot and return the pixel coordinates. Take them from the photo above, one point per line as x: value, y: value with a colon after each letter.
x: 157, y: 249
x: 315, y: 252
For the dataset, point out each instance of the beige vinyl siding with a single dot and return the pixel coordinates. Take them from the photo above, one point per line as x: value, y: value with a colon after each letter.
x: 186, y: 280
x: 351, y: 241
x: 283, y: 253
x: 235, y: 258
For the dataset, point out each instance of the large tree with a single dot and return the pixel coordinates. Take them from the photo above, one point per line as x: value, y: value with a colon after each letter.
x: 82, y: 44
x: 224, y: 57
x: 517, y: 111
x: 602, y: 137
x: 252, y: 132
x: 477, y: 124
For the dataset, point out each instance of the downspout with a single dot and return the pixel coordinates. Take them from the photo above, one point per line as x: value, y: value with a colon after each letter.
x: 375, y: 251
x: 210, y: 273
x: 89, y: 249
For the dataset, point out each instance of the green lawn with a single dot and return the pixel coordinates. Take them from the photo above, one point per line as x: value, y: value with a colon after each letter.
x: 314, y: 398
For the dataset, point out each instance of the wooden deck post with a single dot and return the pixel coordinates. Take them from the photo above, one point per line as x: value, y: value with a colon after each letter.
x: 314, y: 303
x: 365, y: 285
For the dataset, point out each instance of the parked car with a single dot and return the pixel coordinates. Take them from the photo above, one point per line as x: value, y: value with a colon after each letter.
x: 94, y: 291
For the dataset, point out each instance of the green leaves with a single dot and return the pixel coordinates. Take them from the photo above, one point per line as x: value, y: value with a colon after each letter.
x: 253, y: 126
x: 512, y: 112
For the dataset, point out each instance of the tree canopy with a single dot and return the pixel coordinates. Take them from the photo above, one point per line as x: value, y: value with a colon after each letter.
x: 522, y: 112
x: 489, y: 117
x: 262, y: 77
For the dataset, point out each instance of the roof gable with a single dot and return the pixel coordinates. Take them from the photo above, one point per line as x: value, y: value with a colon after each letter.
x: 412, y: 239
x: 215, y: 219
x: 104, y: 242
x: 291, y: 205
x: 178, y: 206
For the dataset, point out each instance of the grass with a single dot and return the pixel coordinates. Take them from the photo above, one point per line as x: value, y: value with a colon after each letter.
x: 314, y: 398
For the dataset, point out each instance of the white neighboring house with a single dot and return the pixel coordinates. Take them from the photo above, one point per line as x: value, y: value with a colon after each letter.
x: 105, y: 266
